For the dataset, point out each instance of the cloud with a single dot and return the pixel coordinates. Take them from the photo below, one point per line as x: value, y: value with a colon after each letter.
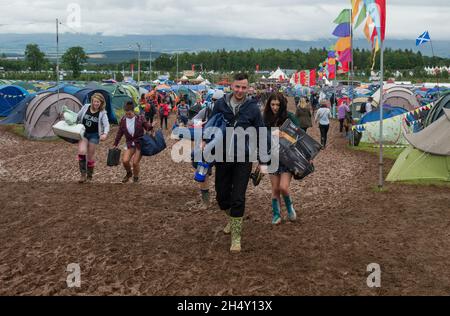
x: 272, y: 19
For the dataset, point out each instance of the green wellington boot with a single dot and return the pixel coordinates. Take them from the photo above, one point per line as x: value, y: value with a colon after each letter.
x: 236, y: 229
x: 276, y: 214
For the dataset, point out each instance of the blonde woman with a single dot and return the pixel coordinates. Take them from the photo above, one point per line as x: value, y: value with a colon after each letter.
x: 95, y: 119
x: 304, y: 114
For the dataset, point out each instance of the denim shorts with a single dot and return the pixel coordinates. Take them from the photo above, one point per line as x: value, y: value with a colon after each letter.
x: 93, y: 138
x: 281, y: 169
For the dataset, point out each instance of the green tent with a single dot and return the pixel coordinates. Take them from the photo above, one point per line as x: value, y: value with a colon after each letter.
x: 414, y: 164
x: 119, y: 95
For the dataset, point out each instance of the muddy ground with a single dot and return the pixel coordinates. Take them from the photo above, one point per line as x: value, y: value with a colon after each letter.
x: 153, y: 238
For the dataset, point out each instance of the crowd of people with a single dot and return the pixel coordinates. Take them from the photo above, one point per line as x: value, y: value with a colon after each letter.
x: 239, y: 110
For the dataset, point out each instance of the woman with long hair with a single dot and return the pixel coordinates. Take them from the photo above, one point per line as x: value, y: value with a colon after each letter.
x: 95, y: 119
x: 303, y: 114
x: 133, y: 127
x: 275, y: 114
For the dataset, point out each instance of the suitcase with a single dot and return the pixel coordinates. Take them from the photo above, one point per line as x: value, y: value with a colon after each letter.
x: 113, y: 157
x: 66, y: 131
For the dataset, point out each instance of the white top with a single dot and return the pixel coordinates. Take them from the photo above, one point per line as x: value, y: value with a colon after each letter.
x: 323, y: 115
x: 131, y: 123
x: 368, y: 107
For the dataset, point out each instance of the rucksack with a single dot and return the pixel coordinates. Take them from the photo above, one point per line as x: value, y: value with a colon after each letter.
x: 147, y: 108
x: 161, y: 110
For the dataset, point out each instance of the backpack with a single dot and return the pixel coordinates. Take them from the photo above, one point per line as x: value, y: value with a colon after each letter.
x: 161, y: 110
x: 147, y: 108
x: 362, y: 109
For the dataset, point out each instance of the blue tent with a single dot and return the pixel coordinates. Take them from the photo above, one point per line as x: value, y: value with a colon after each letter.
x: 10, y: 97
x: 17, y: 116
x: 388, y: 112
x: 85, y: 95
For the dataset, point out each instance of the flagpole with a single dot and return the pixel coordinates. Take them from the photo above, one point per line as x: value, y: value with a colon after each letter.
x: 351, y: 75
x: 437, y: 75
x: 57, y: 58
x: 381, y: 182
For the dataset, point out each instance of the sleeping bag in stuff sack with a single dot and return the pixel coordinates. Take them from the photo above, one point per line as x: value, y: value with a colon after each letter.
x: 152, y: 145
x: 66, y: 131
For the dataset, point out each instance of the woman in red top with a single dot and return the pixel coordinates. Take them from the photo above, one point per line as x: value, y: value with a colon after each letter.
x: 133, y: 127
x: 163, y: 111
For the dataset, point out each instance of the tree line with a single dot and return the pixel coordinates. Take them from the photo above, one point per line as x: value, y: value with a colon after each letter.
x: 75, y: 59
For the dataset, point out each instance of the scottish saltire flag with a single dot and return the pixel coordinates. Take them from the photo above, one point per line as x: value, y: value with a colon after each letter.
x: 424, y: 38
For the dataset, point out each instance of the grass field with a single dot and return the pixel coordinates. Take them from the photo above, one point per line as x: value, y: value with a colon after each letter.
x: 388, y: 152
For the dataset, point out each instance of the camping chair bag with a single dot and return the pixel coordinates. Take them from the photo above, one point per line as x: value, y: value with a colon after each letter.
x: 152, y: 145
x: 297, y: 149
x: 66, y: 131
x: 113, y: 157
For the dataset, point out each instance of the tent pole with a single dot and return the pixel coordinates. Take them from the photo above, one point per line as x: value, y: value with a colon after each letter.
x: 381, y: 183
x: 57, y: 58
x: 150, y: 61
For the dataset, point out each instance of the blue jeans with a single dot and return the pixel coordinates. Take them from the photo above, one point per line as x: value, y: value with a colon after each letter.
x: 93, y: 138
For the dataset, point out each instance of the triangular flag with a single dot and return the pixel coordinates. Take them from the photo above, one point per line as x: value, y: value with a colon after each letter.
x: 343, y: 43
x: 342, y: 30
x: 355, y: 9
x: 362, y: 16
x: 344, y: 17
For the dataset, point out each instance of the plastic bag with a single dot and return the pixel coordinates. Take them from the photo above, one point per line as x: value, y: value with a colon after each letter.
x: 69, y: 116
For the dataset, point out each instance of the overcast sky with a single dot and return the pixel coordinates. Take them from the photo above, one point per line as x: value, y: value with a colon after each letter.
x: 272, y: 19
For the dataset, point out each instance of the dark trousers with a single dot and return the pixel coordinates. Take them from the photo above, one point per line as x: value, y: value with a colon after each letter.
x: 231, y: 186
x: 324, y: 134
x: 341, y: 125
x: 164, y: 118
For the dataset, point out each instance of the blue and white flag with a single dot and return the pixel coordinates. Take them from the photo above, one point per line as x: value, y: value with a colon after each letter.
x: 424, y: 38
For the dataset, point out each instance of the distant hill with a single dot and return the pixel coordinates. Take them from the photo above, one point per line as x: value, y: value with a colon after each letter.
x: 15, y: 43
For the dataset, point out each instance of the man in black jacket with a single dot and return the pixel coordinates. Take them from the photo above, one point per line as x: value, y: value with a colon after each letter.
x: 232, y: 175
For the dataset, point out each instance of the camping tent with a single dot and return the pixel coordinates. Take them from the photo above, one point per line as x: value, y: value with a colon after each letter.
x: 357, y: 106
x: 132, y: 92
x: 438, y: 109
x: 428, y: 157
x: 402, y: 97
x: 278, y: 75
x: 435, y: 139
x: 118, y: 94
x: 44, y: 111
x: 414, y: 164
x: 17, y: 116
x: 388, y: 112
x: 10, y: 97
x: 392, y: 131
